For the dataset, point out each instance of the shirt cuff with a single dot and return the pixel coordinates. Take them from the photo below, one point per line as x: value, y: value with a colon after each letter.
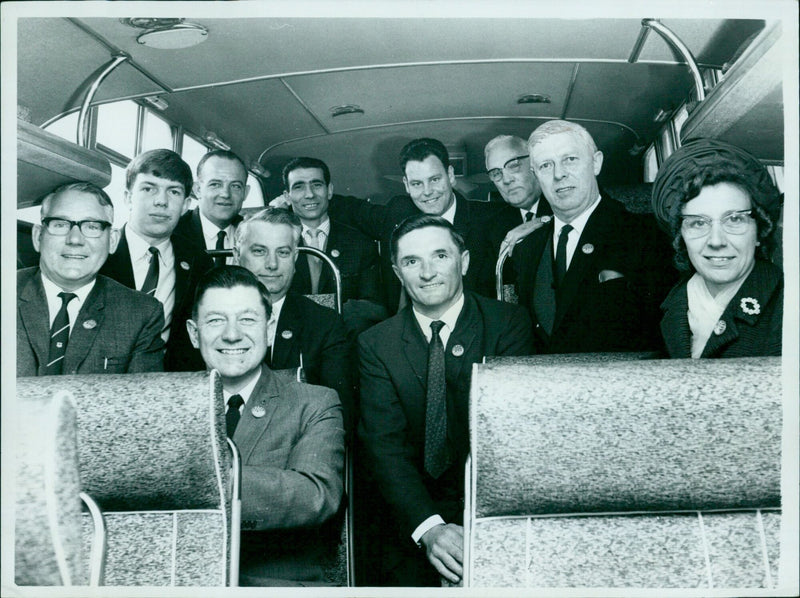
x: 423, y: 527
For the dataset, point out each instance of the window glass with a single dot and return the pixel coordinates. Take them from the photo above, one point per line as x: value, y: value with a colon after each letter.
x: 30, y: 214
x: 157, y: 133
x: 66, y: 127
x: 116, y: 127
x: 192, y: 152
x: 776, y: 172
x: 255, y: 198
x: 680, y: 117
x: 116, y: 191
x: 650, y: 164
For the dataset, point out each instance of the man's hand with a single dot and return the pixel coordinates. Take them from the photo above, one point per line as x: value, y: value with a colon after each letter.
x: 518, y: 233
x: 444, y: 547
x: 282, y: 201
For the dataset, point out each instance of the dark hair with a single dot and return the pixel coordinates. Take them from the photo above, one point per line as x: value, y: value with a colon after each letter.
x: 162, y: 163
x: 305, y: 162
x: 219, y: 153
x: 418, y: 221
x: 419, y: 149
x: 228, y: 277
x: 704, y: 163
x: 81, y: 187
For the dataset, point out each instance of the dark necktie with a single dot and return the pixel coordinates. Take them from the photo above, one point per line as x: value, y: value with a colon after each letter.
x: 220, y: 260
x: 232, y: 416
x: 59, y: 336
x: 528, y: 216
x: 151, y: 279
x: 436, y: 458
x: 561, y: 255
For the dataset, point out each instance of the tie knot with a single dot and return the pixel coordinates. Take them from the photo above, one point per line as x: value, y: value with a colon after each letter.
x: 66, y: 297
x: 565, y: 230
x: 221, y: 235
x: 235, y: 401
x: 528, y: 216
x: 153, y: 251
x: 436, y: 327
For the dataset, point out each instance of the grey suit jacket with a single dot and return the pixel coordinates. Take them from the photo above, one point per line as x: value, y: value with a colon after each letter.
x: 117, y: 330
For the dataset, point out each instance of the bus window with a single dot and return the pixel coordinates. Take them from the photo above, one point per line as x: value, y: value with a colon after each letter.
x: 255, y: 197
x: 156, y: 133
x: 117, y: 127
x: 192, y: 152
x: 650, y: 164
x: 66, y: 127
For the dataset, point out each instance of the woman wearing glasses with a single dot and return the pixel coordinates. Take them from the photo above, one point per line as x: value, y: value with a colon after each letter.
x: 721, y: 209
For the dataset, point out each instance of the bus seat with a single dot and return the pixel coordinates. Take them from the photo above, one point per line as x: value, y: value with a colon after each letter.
x: 26, y: 254
x: 340, y: 568
x: 634, y: 473
x: 635, y: 197
x: 153, y: 453
x: 48, y: 541
x: 45, y: 161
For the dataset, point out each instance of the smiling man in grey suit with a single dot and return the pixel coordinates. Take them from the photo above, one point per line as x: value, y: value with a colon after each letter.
x: 69, y: 319
x: 290, y: 434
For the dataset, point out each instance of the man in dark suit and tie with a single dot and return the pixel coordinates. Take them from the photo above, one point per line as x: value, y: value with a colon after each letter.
x: 309, y: 190
x: 415, y: 379
x: 150, y: 257
x: 301, y: 332
x: 221, y: 188
x: 594, y: 277
x: 289, y: 434
x: 69, y: 319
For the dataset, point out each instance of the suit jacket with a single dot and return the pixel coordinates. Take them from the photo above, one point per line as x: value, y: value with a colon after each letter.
x: 292, y: 451
x: 744, y: 334
x: 117, y: 330
x: 189, y: 226
x: 509, y: 217
x: 190, y: 265
x: 394, y: 363
x: 592, y: 316
x: 378, y: 222
x: 355, y: 255
x: 318, y: 333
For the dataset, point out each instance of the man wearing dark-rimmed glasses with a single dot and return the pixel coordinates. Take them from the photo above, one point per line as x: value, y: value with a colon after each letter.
x: 69, y: 319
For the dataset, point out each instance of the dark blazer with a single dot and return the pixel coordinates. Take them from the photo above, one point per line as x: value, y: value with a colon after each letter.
x: 189, y: 226
x: 378, y: 222
x: 117, y: 330
x: 355, y: 255
x: 190, y: 265
x: 744, y: 335
x: 393, y: 358
x: 592, y: 316
x: 319, y: 334
x: 292, y: 454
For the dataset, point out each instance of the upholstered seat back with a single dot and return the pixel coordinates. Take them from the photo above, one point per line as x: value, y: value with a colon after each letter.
x: 608, y: 473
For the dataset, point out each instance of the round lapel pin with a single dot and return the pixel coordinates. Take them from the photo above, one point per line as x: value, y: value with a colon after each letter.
x: 89, y: 324
x: 258, y: 411
x: 185, y: 265
x: 335, y: 253
x: 287, y: 334
x: 720, y: 327
x: 457, y: 350
x: 587, y: 248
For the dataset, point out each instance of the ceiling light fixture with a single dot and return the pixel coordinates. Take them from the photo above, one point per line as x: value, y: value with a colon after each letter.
x: 213, y: 140
x: 167, y: 34
x: 157, y: 102
x: 258, y: 170
x: 346, y: 109
x: 533, y: 98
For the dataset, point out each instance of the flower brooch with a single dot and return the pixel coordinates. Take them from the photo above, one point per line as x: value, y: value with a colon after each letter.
x: 750, y: 306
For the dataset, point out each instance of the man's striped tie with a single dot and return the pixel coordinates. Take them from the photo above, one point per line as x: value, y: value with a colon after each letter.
x: 59, y: 336
x: 151, y: 279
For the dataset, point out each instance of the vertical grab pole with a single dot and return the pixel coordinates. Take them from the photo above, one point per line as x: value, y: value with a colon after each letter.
x: 83, y: 123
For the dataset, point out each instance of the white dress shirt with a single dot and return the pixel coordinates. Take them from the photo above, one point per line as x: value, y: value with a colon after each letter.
x: 272, y: 323
x: 532, y: 210
x: 324, y: 229
x: 140, y: 259
x: 450, y: 213
x: 51, y: 291
x: 243, y: 392
x: 577, y: 230
x: 211, y: 232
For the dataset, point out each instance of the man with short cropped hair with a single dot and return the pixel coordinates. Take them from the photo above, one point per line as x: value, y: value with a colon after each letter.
x: 289, y: 435
x: 69, y: 319
x: 151, y: 257
x: 415, y: 380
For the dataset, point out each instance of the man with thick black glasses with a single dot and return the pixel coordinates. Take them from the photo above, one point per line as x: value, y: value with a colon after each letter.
x: 69, y: 319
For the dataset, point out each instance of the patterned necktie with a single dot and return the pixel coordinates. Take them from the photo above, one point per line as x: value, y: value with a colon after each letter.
x: 220, y: 260
x: 561, y: 255
x: 59, y: 336
x: 314, y: 263
x: 436, y: 457
x: 233, y: 416
x: 151, y: 279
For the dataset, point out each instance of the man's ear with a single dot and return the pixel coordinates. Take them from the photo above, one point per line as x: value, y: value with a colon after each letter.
x: 464, y: 262
x: 113, y: 240
x: 36, y: 235
x: 196, y: 189
x: 405, y: 184
x: 128, y: 200
x: 451, y: 175
x: 330, y: 191
x: 191, y: 328
x: 598, y: 162
x: 396, y: 271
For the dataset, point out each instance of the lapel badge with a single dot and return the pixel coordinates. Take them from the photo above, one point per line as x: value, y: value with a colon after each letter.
x: 720, y: 327
x: 335, y: 253
x: 89, y: 324
x: 587, y: 248
x: 185, y: 265
x: 258, y: 411
x: 287, y: 334
x: 457, y: 350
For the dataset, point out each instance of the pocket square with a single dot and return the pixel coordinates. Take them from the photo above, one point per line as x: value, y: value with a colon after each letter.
x: 606, y: 275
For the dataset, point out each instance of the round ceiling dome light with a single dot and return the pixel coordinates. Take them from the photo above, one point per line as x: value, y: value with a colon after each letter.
x: 352, y: 109
x: 167, y: 34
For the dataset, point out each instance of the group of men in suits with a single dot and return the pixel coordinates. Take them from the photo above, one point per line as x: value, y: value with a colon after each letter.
x: 589, y: 274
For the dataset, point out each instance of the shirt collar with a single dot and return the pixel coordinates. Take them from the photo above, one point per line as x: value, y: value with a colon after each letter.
x: 450, y: 317
x: 51, y: 289
x: 324, y: 226
x: 138, y: 247
x: 450, y: 213
x: 579, y: 223
x: 277, y: 306
x: 211, y: 230
x: 243, y: 392
x: 532, y: 210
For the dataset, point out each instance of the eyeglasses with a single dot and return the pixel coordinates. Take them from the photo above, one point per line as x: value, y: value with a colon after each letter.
x: 91, y: 229
x: 737, y: 222
x: 513, y: 166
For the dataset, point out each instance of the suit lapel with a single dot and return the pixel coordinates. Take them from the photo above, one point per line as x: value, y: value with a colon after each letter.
x: 415, y: 348
x: 118, y: 265
x: 326, y: 276
x: 184, y: 262
x: 464, y: 335
x: 87, y: 326
x: 258, y: 413
x: 674, y: 325
x: 285, y: 353
x: 34, y: 313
